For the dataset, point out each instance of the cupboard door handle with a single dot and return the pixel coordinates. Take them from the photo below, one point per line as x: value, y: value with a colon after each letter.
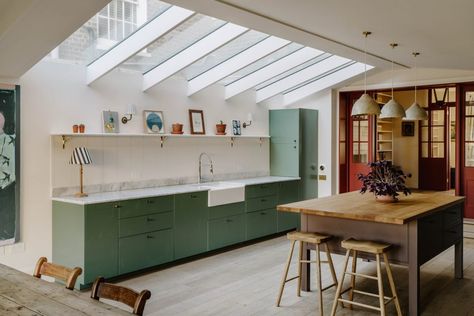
x: 193, y: 196
x: 263, y: 200
x: 148, y: 219
x: 117, y: 206
x: 453, y: 231
x: 263, y: 213
x: 229, y: 220
x: 294, y: 147
x: 149, y: 237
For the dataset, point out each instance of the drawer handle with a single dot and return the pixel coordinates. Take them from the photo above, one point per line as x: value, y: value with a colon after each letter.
x: 263, y: 213
x: 148, y: 219
x: 452, y: 231
x: 453, y: 212
x: 117, y: 206
x: 150, y: 201
x: 193, y: 196
x: 229, y: 220
x: 263, y: 200
x: 149, y: 237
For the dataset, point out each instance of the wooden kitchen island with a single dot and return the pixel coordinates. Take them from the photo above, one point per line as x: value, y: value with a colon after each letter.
x: 419, y: 226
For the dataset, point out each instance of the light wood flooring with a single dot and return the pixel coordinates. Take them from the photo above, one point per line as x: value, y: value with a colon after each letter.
x: 245, y: 281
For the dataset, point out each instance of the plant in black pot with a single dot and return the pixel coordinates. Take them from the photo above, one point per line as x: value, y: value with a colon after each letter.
x: 385, y: 181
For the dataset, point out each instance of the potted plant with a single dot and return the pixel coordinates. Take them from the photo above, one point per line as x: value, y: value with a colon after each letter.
x: 384, y: 180
x: 176, y: 128
x: 220, y: 128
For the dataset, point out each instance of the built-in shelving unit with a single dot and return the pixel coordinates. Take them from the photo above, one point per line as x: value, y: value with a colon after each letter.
x: 384, y: 140
x: 65, y: 137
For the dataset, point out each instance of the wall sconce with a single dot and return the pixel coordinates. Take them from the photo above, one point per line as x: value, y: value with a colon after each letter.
x: 250, y: 119
x: 131, y: 111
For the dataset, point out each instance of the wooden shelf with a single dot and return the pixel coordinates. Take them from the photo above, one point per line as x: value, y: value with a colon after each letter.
x: 65, y: 137
x: 384, y: 131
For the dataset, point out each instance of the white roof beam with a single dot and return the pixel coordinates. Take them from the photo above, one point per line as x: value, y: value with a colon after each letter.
x: 326, y: 81
x: 137, y: 41
x: 274, y: 69
x: 186, y: 57
x: 299, y: 77
x: 237, y: 62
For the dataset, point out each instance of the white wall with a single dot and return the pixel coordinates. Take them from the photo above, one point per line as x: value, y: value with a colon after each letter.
x: 54, y: 97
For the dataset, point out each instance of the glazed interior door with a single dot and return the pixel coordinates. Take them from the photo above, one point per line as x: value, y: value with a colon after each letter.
x: 360, y: 153
x: 468, y: 168
x: 433, y: 162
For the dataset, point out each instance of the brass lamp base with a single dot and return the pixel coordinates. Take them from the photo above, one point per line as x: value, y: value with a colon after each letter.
x: 80, y: 194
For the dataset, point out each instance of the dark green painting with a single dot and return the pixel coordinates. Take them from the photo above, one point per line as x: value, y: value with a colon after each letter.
x: 9, y: 165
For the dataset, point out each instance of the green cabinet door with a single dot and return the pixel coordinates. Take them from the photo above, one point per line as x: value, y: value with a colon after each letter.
x: 309, y: 154
x: 101, y: 241
x: 190, y: 224
x: 261, y: 223
x: 145, y: 250
x: 226, y: 231
x: 288, y: 192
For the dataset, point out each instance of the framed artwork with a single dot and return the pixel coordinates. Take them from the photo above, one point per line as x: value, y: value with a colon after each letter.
x: 408, y: 128
x: 196, y: 121
x: 236, y: 128
x: 9, y: 165
x: 110, y: 121
x: 154, y: 122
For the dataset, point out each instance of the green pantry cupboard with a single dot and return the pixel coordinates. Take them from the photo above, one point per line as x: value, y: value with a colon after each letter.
x: 115, y: 238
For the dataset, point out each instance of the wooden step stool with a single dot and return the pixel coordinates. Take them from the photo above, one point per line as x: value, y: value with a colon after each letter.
x: 374, y: 248
x: 317, y: 240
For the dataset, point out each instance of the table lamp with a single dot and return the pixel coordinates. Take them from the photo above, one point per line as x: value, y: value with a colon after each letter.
x: 80, y: 156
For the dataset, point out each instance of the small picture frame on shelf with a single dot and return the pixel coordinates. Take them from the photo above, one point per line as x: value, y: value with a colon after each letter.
x: 154, y: 122
x: 196, y: 122
x: 110, y: 121
x: 408, y: 128
x: 236, y: 131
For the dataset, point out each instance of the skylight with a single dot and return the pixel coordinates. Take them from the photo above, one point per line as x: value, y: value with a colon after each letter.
x: 160, y: 40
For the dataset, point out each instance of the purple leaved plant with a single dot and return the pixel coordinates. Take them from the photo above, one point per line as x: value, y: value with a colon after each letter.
x: 384, y: 179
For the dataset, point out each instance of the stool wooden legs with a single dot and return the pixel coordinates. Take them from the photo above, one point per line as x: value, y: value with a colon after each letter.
x: 392, y: 285
x: 339, y: 285
x: 354, y: 268
x: 318, y: 279
x: 380, y: 284
x: 300, y: 267
x: 285, y: 273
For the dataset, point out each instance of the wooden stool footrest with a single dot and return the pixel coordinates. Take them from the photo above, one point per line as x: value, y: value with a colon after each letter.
x: 373, y: 295
x: 362, y: 275
x: 359, y: 304
x: 291, y: 279
x: 328, y: 287
x: 313, y: 261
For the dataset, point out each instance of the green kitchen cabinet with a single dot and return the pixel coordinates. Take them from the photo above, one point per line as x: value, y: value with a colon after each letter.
x: 260, y: 208
x: 226, y: 231
x: 261, y: 223
x: 294, y: 147
x: 86, y: 236
x: 288, y: 192
x: 190, y: 224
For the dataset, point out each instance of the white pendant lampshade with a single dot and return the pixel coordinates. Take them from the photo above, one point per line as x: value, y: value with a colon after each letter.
x: 392, y: 109
x: 416, y: 113
x: 365, y: 105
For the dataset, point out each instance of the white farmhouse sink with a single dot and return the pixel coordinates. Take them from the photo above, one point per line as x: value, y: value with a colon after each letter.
x: 223, y: 192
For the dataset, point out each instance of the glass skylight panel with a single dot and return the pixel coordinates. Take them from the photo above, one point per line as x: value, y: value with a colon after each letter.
x: 181, y: 37
x: 294, y: 70
x: 285, y: 51
x: 220, y: 55
x: 115, y: 22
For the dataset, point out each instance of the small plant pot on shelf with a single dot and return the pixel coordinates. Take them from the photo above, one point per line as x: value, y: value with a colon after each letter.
x: 177, y: 128
x: 220, y: 129
x: 386, y: 199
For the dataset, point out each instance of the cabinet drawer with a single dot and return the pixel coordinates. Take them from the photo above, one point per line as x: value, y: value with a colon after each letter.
x: 258, y: 190
x: 288, y: 192
x: 261, y: 223
x: 226, y: 210
x: 452, y: 217
x: 191, y: 200
x: 261, y: 203
x: 145, y: 224
x: 139, y: 207
x: 145, y: 250
x: 226, y: 231
x: 430, y: 236
x: 287, y: 220
x: 452, y: 235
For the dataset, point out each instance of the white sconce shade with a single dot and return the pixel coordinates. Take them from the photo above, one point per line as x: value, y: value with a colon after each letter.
x: 249, y: 117
x: 392, y: 109
x: 365, y: 105
x: 416, y: 113
x: 131, y: 109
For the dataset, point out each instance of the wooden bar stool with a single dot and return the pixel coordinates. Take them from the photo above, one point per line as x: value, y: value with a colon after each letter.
x: 317, y: 240
x: 374, y: 248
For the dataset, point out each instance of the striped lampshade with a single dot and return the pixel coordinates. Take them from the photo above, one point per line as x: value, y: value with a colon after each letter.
x: 80, y: 156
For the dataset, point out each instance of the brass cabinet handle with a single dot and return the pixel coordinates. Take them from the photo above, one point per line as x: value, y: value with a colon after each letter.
x: 117, y: 206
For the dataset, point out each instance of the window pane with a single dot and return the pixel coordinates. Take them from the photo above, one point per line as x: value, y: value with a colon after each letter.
x: 355, y: 152
x: 355, y: 131
x: 342, y: 153
x: 469, y: 110
x: 364, y: 152
x: 342, y: 130
x: 103, y: 28
x: 424, y: 133
x: 424, y: 150
x: 469, y: 154
x: 469, y: 128
x: 437, y: 134
x: 119, y: 30
x: 364, y: 130
x: 128, y: 12
x: 437, y: 150
x: 437, y: 117
x: 424, y: 123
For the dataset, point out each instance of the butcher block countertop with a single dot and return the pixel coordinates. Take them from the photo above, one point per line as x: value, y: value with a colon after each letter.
x: 364, y: 207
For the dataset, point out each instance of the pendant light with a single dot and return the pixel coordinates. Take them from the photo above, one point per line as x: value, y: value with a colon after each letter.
x: 365, y: 105
x: 392, y: 109
x: 415, y: 112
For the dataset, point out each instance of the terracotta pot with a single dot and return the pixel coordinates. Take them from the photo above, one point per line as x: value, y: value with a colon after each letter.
x: 75, y: 128
x: 220, y: 128
x: 177, y: 128
x: 386, y: 198
x: 82, y: 128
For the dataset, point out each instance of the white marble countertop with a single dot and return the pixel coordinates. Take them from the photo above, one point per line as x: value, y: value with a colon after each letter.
x: 159, y: 191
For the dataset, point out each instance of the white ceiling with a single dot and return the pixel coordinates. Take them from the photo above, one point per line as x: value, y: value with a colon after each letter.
x: 440, y: 30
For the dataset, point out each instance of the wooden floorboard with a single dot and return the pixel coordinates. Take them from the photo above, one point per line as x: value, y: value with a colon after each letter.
x: 245, y: 281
